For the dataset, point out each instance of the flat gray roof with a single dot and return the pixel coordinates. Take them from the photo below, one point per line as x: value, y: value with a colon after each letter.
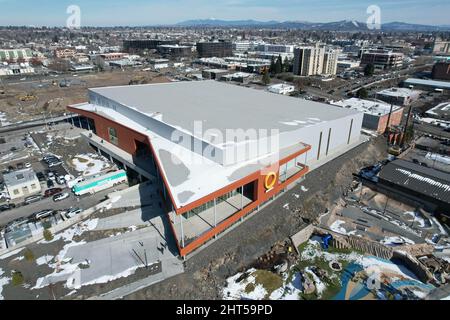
x: 19, y: 177
x: 430, y: 83
x: 222, y: 106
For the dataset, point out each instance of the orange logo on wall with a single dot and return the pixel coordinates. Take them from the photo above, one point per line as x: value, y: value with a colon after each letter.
x: 270, y: 180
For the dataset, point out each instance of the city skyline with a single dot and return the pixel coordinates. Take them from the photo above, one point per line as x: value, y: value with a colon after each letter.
x: 160, y: 12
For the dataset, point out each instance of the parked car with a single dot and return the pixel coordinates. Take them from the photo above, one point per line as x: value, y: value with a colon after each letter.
x: 27, y: 165
x: 32, y: 199
x: 41, y: 214
x: 73, y: 212
x: 54, y: 163
x: 48, y: 157
x: 60, y: 180
x: 50, y: 183
x: 51, y: 192
x: 60, y: 196
x: 7, y: 206
x: 19, y: 165
x: 40, y: 176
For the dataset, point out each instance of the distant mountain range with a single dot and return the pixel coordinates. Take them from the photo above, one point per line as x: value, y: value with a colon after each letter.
x: 344, y: 25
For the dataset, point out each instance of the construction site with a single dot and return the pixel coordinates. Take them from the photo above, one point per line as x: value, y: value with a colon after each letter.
x: 46, y: 97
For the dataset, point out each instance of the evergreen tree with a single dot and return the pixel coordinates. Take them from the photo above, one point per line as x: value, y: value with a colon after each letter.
x: 362, y: 93
x: 286, y: 65
x: 278, y: 65
x: 272, y: 66
x: 369, y: 70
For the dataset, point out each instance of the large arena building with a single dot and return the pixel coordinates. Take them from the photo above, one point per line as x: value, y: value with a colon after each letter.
x: 218, y: 152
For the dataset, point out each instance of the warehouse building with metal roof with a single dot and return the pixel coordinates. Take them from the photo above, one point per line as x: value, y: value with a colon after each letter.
x: 418, y: 184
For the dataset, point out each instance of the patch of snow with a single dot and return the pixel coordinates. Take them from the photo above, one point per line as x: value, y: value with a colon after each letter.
x: 396, y: 240
x: 18, y: 258
x: 289, y: 123
x: 3, y: 282
x: 320, y: 286
x: 11, y: 253
x: 43, y: 260
x: 236, y: 290
x: 419, y: 294
x: 293, y: 289
x: 115, y: 199
x: 71, y: 293
x: 77, y: 230
x: 108, y: 278
x: 89, y: 164
x: 336, y: 227
x: 436, y: 222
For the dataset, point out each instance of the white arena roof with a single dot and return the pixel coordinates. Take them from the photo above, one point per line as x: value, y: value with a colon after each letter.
x: 156, y: 110
x: 221, y: 106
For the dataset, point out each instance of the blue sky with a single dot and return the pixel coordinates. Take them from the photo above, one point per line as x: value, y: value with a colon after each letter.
x: 149, y: 12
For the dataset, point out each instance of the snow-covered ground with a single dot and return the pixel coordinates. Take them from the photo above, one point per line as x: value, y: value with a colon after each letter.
x: 43, y: 260
x: 337, y: 227
x: 89, y: 164
x: 237, y: 290
x: 77, y: 267
x: 11, y: 253
x: 60, y: 264
x: 3, y: 282
x: 396, y: 240
x: 375, y: 268
x: 3, y: 120
x: 415, y: 218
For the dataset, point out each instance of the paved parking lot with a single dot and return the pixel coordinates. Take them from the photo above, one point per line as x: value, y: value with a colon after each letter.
x: 84, y: 202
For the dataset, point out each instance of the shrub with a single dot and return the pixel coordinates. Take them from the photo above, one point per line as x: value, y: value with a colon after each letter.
x: 17, y: 278
x: 48, y: 236
x: 29, y: 255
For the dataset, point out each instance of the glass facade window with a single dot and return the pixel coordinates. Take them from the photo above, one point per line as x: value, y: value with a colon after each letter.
x: 210, y: 204
x: 289, y: 169
x: 113, y: 136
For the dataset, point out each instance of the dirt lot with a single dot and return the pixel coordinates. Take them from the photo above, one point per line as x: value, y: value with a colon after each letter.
x: 36, y: 98
x: 205, y: 272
